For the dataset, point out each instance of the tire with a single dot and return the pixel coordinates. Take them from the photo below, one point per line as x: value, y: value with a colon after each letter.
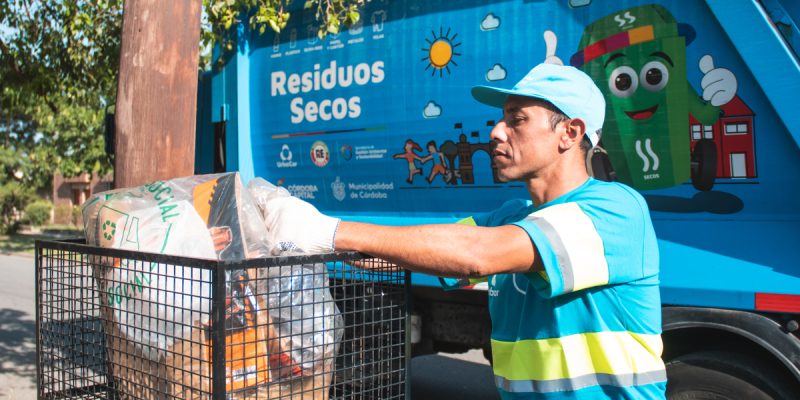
x: 718, y: 375
x: 704, y: 164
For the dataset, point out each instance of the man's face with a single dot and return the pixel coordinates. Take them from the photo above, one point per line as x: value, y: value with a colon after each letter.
x: 525, y: 143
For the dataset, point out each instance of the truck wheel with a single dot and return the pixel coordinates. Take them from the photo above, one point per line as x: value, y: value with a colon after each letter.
x: 704, y: 164
x: 599, y: 165
x: 718, y: 375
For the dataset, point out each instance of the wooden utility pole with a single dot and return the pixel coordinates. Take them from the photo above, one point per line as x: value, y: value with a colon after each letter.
x: 156, y: 105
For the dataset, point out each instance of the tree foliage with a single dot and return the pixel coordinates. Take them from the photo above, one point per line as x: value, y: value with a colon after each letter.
x: 38, y: 212
x: 58, y: 65
x: 13, y: 198
x: 261, y: 15
x: 59, y: 61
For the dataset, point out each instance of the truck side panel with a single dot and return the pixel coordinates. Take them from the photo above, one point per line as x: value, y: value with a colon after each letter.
x: 377, y: 122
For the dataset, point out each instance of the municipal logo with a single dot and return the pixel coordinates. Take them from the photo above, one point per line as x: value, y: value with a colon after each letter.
x: 338, y: 189
x: 320, y: 154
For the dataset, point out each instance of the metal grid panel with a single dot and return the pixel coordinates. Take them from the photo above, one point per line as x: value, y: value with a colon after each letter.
x: 115, y: 324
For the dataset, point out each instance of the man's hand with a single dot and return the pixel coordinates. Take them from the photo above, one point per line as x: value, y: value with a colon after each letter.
x: 298, y: 225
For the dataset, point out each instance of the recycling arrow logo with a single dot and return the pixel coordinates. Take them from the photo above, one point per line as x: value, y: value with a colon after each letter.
x: 109, y: 226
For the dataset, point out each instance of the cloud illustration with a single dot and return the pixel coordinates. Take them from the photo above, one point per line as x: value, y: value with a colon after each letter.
x: 490, y: 22
x: 497, y: 73
x: 432, y: 110
x: 579, y: 3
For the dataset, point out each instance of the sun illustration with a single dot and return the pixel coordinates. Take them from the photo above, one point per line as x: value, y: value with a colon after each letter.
x: 441, y: 50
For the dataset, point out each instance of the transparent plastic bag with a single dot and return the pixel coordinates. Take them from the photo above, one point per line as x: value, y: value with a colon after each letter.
x: 308, y: 321
x: 264, y: 191
x: 300, y: 304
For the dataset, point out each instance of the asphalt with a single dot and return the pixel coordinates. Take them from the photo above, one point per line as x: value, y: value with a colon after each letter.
x: 17, y: 328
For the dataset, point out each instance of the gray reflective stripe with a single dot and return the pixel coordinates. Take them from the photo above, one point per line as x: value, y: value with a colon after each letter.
x: 564, y: 265
x: 560, y: 385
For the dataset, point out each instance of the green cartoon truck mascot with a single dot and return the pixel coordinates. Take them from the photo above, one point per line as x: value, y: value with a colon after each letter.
x: 637, y: 57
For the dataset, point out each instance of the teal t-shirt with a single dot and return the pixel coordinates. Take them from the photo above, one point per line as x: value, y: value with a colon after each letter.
x: 589, y: 325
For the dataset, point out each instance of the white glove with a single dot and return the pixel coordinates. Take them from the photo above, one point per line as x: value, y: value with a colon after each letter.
x: 296, y: 225
x: 719, y: 84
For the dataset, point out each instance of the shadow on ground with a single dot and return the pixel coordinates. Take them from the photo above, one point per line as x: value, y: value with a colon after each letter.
x: 17, y: 345
x: 24, y: 242
x: 17, y: 244
x: 436, y: 377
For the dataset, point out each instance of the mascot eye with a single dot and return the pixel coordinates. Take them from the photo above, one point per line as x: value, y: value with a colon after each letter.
x: 654, y: 76
x: 623, y: 81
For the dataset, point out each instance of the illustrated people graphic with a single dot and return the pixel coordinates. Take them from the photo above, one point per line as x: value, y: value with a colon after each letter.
x: 438, y: 162
x: 410, y: 156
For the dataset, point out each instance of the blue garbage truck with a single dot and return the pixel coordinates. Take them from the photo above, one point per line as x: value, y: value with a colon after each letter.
x: 376, y: 124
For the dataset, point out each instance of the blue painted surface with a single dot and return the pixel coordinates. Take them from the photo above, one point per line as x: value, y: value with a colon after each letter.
x: 244, y: 149
x: 718, y: 248
x: 204, y: 142
x: 770, y: 60
x: 785, y: 14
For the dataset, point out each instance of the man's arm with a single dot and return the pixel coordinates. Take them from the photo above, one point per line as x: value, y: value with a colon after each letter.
x: 450, y: 250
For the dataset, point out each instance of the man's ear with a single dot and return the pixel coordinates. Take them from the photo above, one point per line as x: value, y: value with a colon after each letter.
x: 574, y: 131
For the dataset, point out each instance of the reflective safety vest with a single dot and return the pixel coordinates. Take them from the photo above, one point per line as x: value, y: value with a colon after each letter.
x: 589, y: 325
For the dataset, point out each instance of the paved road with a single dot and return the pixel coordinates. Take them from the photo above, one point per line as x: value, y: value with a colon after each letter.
x: 434, y: 377
x: 17, y: 329
x: 465, y: 376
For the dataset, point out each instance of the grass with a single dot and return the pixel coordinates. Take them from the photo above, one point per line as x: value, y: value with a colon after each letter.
x: 24, y: 242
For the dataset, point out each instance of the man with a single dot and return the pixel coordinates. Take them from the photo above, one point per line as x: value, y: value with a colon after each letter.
x: 573, y: 271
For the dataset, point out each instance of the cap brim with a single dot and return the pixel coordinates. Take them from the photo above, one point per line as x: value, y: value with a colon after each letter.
x: 496, y: 97
x: 490, y: 96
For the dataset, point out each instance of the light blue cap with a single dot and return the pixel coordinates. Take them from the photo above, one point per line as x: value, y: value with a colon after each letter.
x: 568, y: 88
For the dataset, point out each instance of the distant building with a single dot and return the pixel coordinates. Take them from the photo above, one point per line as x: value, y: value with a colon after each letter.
x: 733, y: 134
x: 74, y: 191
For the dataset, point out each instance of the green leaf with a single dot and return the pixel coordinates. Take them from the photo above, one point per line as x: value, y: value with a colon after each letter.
x: 274, y: 25
x: 353, y: 16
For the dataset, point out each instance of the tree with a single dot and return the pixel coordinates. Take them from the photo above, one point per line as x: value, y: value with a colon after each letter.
x: 13, y: 199
x: 58, y: 67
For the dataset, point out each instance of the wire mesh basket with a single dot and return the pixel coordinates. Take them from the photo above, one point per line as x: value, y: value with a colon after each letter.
x: 117, y: 324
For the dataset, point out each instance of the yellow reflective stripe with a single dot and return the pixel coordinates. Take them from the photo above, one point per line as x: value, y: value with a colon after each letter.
x: 615, y: 353
x: 467, y: 221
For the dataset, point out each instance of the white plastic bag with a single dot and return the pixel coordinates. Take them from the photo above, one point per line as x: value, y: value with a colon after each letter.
x: 204, y: 216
